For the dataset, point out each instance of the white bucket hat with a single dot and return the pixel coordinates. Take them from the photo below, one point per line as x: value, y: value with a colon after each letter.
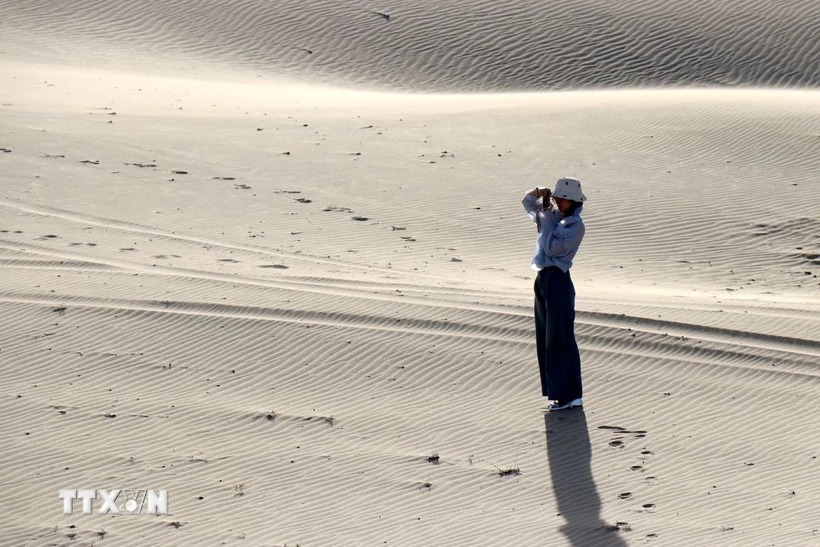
x: 569, y: 188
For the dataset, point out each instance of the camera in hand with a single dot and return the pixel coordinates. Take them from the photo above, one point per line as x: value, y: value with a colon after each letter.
x: 545, y: 200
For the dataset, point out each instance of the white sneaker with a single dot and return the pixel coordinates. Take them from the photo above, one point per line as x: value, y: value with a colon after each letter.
x: 563, y: 405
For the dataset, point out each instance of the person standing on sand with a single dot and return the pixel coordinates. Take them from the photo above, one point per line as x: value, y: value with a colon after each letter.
x: 560, y: 231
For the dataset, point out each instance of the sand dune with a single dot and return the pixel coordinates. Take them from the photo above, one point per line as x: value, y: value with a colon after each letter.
x: 305, y: 310
x: 461, y: 45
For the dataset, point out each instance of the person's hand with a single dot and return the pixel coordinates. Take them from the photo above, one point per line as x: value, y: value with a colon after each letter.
x: 542, y: 193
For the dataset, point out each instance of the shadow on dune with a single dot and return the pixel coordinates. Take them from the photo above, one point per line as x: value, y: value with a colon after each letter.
x: 570, y: 458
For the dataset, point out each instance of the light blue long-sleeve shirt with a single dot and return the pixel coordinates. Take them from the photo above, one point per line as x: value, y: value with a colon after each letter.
x: 559, y: 238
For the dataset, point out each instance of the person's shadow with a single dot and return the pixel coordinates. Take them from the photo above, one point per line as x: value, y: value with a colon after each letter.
x: 570, y: 460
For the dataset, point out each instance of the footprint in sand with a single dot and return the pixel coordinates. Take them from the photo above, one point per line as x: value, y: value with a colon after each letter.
x: 231, y: 260
x: 277, y: 266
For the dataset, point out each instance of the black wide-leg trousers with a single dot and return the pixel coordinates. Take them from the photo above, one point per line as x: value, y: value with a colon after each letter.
x: 559, y: 360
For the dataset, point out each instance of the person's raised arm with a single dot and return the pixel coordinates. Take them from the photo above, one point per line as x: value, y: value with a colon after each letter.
x: 536, y: 201
x: 533, y: 202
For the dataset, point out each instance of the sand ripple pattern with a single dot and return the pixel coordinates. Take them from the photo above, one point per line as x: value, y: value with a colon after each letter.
x: 304, y: 404
x: 460, y: 45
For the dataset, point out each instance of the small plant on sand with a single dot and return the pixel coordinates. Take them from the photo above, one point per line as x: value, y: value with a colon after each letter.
x: 508, y: 471
x: 618, y: 526
x: 434, y: 459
